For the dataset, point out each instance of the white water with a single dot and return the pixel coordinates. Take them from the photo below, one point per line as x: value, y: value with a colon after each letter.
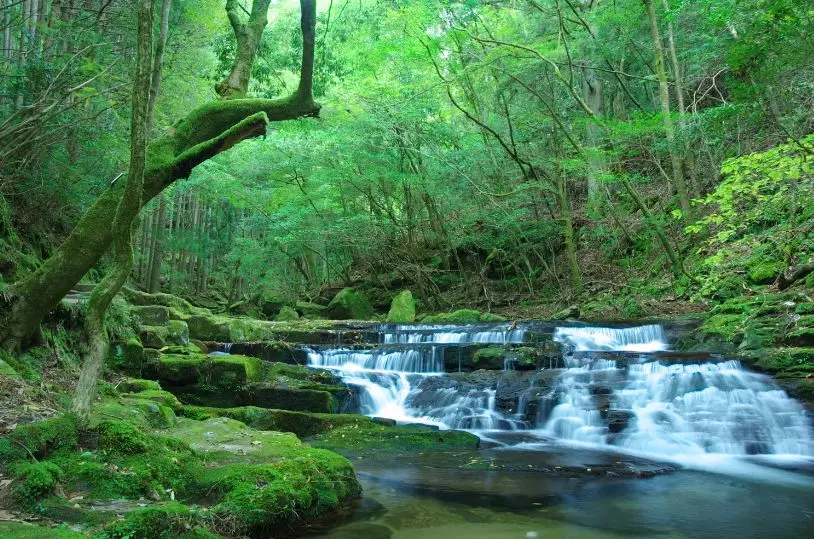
x: 440, y: 334
x: 592, y: 339
x: 670, y: 410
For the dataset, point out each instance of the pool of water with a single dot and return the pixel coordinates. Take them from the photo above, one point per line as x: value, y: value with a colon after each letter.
x: 576, y: 493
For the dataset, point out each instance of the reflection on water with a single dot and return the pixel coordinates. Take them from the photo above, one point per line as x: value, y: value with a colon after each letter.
x: 569, y: 493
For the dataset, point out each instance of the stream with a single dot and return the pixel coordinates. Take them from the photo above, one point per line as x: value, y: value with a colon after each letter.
x: 616, y: 436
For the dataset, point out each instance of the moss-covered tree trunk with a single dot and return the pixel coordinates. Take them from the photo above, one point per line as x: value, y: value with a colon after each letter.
x: 248, y: 35
x: 204, y: 133
x: 126, y: 212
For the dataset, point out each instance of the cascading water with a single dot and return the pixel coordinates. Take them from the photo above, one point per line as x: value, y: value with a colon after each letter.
x: 648, y: 338
x: 639, y: 402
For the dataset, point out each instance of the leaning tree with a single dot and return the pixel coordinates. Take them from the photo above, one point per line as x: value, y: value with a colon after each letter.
x: 207, y: 131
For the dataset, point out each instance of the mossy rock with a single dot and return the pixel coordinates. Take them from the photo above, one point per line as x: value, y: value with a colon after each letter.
x: 152, y: 315
x: 154, y: 336
x: 310, y: 310
x: 266, y: 395
x: 174, y: 303
x: 783, y: 362
x: 136, y: 385
x: 209, y: 328
x: 177, y: 333
x: 491, y: 358
x: 726, y: 326
x: 233, y: 371
x: 144, y: 412
x: 181, y: 370
x: 461, y: 316
x: 350, y: 304
x: 349, y: 434
x: 402, y: 308
x: 164, y: 398
x: 23, y: 530
x: 40, y: 438
x: 764, y: 270
x: 266, y: 482
x: 287, y: 314
x: 33, y: 481
x: 172, y: 520
x: 127, y: 356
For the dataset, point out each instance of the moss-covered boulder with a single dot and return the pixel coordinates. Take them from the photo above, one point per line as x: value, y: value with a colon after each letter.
x: 349, y: 434
x: 28, y: 530
x: 154, y: 336
x: 152, y: 315
x: 127, y: 356
x: 263, y: 482
x: 159, y: 396
x: 234, y: 371
x: 144, y: 412
x: 310, y: 310
x: 136, y: 385
x: 350, y: 304
x: 209, y: 328
x: 177, y: 333
x: 270, y: 395
x: 402, y: 309
x: 490, y: 358
x: 286, y: 314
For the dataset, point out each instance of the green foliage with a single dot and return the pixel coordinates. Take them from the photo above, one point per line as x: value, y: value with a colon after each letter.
x: 761, y: 218
x: 35, y: 480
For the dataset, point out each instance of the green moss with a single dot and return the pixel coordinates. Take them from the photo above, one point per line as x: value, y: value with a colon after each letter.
x: 804, y: 308
x: 785, y: 361
x: 461, y: 316
x: 158, y: 522
x: 40, y: 439
x: 209, y: 328
x: 20, y: 530
x: 310, y: 310
x: 233, y: 371
x: 154, y: 336
x: 723, y: 325
x: 350, y: 304
x: 34, y: 480
x: 492, y: 357
x: 123, y: 437
x: 402, y: 308
x: 764, y: 271
x: 492, y: 317
x: 180, y: 370
x: 269, y: 395
x: 136, y: 385
x: 152, y: 315
x: 145, y: 413
x: 287, y: 314
x: 164, y: 398
x: 177, y: 333
x: 365, y: 438
x: 7, y: 370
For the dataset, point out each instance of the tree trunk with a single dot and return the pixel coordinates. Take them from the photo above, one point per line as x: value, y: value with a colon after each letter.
x: 204, y: 133
x: 664, y: 98
x: 568, y: 232
x: 157, y: 255
x: 126, y: 211
x: 248, y: 35
x: 158, y: 63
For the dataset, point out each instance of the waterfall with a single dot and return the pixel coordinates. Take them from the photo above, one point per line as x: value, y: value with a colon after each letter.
x: 648, y: 338
x: 445, y: 334
x: 640, y: 404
